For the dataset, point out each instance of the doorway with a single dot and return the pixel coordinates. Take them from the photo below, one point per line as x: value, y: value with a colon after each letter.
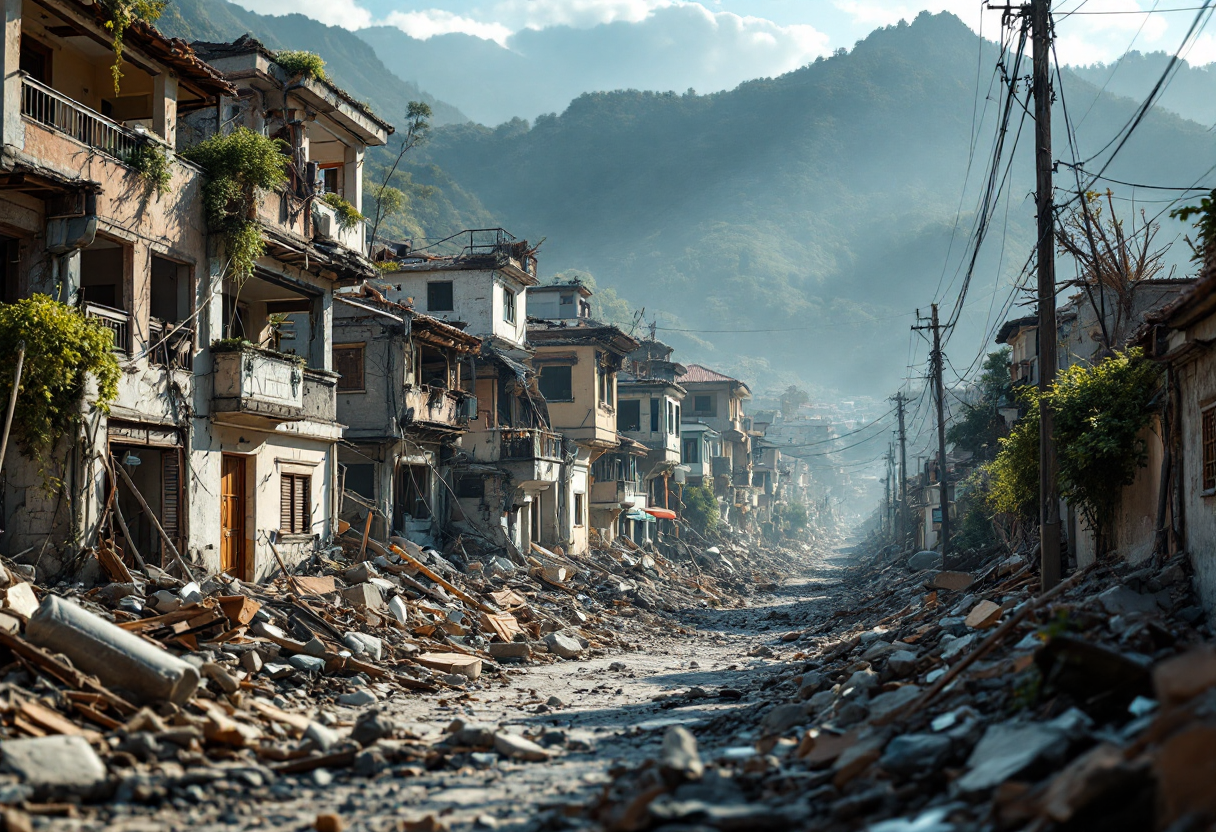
x: 232, y: 516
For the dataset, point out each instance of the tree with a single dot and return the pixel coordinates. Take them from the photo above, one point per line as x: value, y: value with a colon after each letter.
x: 700, y: 508
x: 980, y: 425
x: 793, y: 398
x: 387, y: 200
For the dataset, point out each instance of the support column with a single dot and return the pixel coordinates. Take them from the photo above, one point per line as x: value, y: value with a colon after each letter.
x: 10, y: 98
x: 164, y: 107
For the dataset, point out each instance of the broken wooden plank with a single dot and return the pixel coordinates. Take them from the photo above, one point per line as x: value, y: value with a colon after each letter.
x: 459, y: 663
x: 452, y: 588
x: 65, y: 673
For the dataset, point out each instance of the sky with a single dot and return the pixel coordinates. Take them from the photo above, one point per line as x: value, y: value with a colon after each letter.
x: 770, y: 36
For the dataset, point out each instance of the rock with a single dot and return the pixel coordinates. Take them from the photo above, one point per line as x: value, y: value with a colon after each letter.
x: 925, y: 560
x: 811, y: 683
x: 821, y: 700
x: 878, y: 650
x: 1007, y: 750
x: 358, y: 698
x: 164, y: 601
x: 398, y: 609
x: 1105, y: 681
x: 885, y: 703
x: 857, y: 757
x: 363, y: 644
x: 251, y: 660
x: 20, y: 598
x: 371, y: 726
x: 781, y: 718
x: 555, y: 702
x: 953, y: 581
x: 617, y: 667
x: 320, y: 736
x: 315, y: 647
x: 983, y: 615
x: 678, y: 759
x: 516, y: 747
x: 1180, y: 679
x: 1119, y: 600
x: 309, y: 664
x: 903, y: 663
x: 369, y: 762
x: 517, y: 650
x: 956, y: 647
x: 563, y: 645
x: 861, y: 680
x: 454, y: 679
x: 364, y: 595
x: 57, y: 766
x: 912, y: 754
x: 224, y: 680
x: 473, y: 736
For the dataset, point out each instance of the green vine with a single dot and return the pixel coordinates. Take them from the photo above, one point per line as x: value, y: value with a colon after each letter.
x: 1205, y: 212
x: 240, y: 167
x: 63, y: 349
x: 123, y: 14
x: 298, y: 63
x: 152, y: 163
x: 348, y: 215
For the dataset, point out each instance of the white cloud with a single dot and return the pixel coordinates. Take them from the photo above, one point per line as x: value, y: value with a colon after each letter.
x: 345, y: 13
x: 431, y: 22
x: 581, y: 14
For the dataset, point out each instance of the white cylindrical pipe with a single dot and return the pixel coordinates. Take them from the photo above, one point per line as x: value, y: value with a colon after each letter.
x: 118, y: 658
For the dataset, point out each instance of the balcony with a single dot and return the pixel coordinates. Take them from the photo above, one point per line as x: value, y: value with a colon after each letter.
x: 43, y: 105
x: 260, y: 385
x: 436, y: 407
x: 170, y: 345
x: 618, y: 492
x: 325, y: 224
x: 117, y: 321
x: 531, y: 443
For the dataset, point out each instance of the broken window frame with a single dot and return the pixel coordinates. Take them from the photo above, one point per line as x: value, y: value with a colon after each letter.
x: 345, y: 386
x: 546, y: 387
x: 431, y: 287
x: 1207, y: 438
x: 623, y: 414
x: 580, y: 509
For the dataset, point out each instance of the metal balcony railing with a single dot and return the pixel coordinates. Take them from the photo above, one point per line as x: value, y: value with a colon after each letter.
x: 44, y: 105
x: 531, y: 444
x: 115, y: 320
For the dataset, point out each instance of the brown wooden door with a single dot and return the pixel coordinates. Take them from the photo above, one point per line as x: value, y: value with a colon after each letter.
x: 232, y: 515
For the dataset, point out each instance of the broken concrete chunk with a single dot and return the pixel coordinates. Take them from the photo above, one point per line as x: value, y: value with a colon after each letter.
x: 20, y: 598
x: 514, y: 650
x: 679, y: 759
x: 398, y: 609
x: 518, y: 748
x: 362, y: 573
x: 371, y: 726
x: 1008, y: 749
x: 953, y: 581
x: 1119, y: 600
x: 983, y: 615
x: 56, y: 766
x: 912, y: 754
x: 309, y: 664
x: 781, y: 718
x: 563, y: 645
x: 224, y: 680
x: 251, y: 660
x: 885, y: 703
x: 925, y: 560
x: 902, y: 663
x: 358, y: 698
x: 364, y: 595
x: 457, y: 663
x: 365, y: 645
x: 110, y: 653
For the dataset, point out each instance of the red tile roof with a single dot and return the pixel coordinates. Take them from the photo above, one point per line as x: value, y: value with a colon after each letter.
x: 698, y: 373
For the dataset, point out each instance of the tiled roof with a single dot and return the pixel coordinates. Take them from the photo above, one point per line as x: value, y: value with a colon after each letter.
x: 698, y: 373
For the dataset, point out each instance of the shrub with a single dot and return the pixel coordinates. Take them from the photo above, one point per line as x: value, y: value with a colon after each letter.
x: 301, y: 64
x: 348, y: 216
x: 700, y: 508
x: 63, y: 348
x: 152, y: 163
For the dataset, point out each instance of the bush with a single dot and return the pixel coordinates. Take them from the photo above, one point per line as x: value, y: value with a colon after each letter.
x: 63, y: 349
x: 152, y: 163
x: 700, y: 508
x: 301, y: 64
x: 348, y: 216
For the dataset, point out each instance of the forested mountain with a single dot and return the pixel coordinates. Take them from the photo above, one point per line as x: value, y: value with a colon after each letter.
x: 1191, y: 94
x: 819, y: 204
x: 355, y: 67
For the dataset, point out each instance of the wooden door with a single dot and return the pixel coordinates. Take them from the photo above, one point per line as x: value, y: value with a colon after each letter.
x: 232, y: 516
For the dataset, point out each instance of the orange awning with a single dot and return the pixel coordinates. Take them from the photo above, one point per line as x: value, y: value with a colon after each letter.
x: 661, y: 513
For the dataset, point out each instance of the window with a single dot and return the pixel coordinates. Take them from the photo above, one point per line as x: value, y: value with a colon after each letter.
x: 36, y: 59
x: 471, y: 486
x: 508, y: 305
x: 439, y: 296
x: 678, y: 417
x: 295, y: 504
x: 348, y: 364
x: 361, y: 479
x: 671, y: 416
x: 329, y: 178
x: 692, y: 451
x: 704, y: 406
x: 555, y: 384
x: 654, y: 415
x: 1209, y: 449
x: 629, y: 415
x: 580, y: 507
x: 607, y: 387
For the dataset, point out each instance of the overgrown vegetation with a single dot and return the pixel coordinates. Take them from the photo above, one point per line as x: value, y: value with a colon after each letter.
x: 700, y: 508
x: 1203, y: 248
x: 240, y: 166
x: 122, y: 14
x: 1100, y: 414
x: 348, y: 215
x: 385, y: 198
x: 152, y: 163
x: 299, y: 63
x: 63, y: 349
x: 980, y: 426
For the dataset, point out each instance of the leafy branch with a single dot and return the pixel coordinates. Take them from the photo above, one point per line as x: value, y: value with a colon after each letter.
x: 385, y: 197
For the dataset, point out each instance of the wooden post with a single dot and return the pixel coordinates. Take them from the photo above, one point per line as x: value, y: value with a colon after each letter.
x: 12, y: 402
x: 152, y: 516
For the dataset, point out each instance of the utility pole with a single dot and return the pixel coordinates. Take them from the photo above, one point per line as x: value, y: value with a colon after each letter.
x: 1049, y: 498
x: 939, y: 391
x: 900, y: 401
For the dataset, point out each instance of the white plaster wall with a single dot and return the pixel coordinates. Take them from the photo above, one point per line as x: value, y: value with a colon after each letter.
x: 476, y: 297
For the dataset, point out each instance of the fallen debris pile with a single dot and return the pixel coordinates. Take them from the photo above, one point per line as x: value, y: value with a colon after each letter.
x: 933, y: 700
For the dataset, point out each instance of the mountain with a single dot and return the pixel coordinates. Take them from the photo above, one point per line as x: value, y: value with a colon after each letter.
x: 1191, y: 93
x: 794, y: 224
x: 535, y: 71
x: 352, y: 65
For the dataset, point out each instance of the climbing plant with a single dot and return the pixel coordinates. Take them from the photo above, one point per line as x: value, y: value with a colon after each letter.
x: 122, y: 14
x: 700, y: 508
x: 348, y: 215
x: 1013, y: 475
x: 1205, y: 222
x: 63, y: 349
x: 240, y: 167
x: 298, y: 63
x: 152, y: 163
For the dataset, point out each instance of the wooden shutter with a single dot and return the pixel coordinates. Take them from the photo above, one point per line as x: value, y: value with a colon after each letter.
x: 286, y: 490
x: 171, y: 492
x: 295, y: 503
x: 348, y: 363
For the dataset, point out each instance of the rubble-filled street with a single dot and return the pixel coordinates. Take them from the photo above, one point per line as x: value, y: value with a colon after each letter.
x: 862, y: 690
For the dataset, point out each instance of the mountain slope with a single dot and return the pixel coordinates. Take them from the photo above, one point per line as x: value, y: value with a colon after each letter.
x: 820, y: 203
x: 353, y: 66
x: 1190, y: 94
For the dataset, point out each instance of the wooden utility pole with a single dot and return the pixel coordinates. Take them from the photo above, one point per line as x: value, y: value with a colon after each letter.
x: 1049, y: 497
x: 939, y: 395
x: 900, y: 401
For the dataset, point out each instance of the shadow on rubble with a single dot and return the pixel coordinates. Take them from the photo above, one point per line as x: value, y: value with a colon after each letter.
x: 649, y: 717
x: 783, y: 607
